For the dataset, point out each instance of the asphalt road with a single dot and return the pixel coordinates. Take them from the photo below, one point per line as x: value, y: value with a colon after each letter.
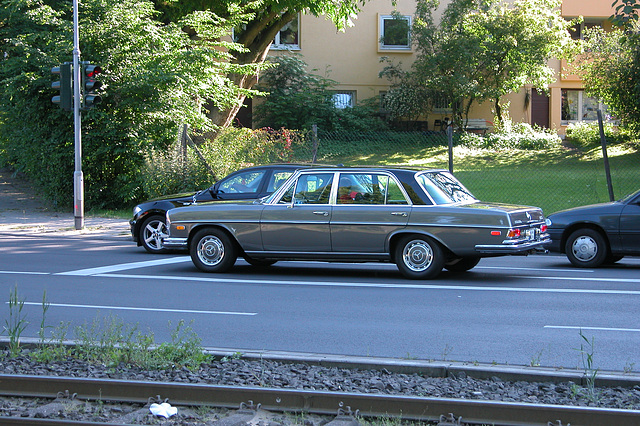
x: 511, y: 310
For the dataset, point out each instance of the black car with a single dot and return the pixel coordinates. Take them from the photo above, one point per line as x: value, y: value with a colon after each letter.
x: 148, y: 223
x: 597, y: 234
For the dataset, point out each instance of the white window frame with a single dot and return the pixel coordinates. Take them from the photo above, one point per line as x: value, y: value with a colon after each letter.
x: 278, y: 45
x: 339, y: 99
x: 381, y: 44
x: 580, y: 111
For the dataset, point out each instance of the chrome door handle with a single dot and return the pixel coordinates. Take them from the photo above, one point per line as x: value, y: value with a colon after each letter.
x: 403, y: 214
x: 321, y: 213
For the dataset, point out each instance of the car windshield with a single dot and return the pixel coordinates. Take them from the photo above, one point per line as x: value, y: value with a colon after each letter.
x: 443, y: 188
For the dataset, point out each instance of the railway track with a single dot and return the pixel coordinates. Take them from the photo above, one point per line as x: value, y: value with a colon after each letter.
x: 343, y: 405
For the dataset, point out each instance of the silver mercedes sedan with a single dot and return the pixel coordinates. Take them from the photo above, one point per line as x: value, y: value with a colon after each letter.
x: 421, y: 220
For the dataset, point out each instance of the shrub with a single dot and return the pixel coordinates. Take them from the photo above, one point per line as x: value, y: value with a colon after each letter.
x: 512, y: 136
x: 167, y: 172
x: 587, y: 135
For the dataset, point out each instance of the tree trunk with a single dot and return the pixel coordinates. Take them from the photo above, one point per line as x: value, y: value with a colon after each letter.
x: 257, y: 38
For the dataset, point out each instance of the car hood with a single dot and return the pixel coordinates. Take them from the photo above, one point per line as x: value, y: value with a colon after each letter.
x: 182, y: 197
x: 590, y: 209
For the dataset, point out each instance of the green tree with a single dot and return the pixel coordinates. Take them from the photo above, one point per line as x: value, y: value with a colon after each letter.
x: 262, y: 20
x: 156, y: 78
x: 610, y: 69
x: 482, y: 50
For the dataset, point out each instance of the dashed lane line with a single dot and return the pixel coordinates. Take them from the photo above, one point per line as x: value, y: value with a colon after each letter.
x: 126, y: 266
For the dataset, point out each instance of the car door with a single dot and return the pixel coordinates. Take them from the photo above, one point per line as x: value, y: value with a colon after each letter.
x: 299, y: 221
x: 630, y: 227
x: 369, y: 207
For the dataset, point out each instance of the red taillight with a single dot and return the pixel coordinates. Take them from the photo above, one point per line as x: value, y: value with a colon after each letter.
x: 543, y: 228
x: 513, y: 233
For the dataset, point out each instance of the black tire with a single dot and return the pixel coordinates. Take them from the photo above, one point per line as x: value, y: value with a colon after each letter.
x: 212, y: 250
x: 151, y: 232
x: 462, y: 264
x: 419, y: 258
x: 586, y: 248
x: 611, y: 259
x: 261, y: 263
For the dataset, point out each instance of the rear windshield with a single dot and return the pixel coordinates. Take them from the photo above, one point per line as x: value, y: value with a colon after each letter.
x: 444, y: 188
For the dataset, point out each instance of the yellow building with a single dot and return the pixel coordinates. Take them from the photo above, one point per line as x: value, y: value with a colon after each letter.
x: 353, y: 59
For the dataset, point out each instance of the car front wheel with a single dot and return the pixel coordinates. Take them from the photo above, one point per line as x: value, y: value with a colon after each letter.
x: 213, y: 251
x: 419, y: 257
x: 586, y: 248
x: 151, y: 232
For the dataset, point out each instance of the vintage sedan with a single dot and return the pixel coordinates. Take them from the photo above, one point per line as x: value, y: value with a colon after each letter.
x: 598, y: 234
x: 147, y: 224
x: 423, y: 220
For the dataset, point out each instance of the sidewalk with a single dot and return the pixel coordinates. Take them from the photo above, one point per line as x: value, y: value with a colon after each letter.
x: 22, y: 211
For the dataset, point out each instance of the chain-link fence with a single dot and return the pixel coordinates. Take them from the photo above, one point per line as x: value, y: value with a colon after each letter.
x: 555, y: 178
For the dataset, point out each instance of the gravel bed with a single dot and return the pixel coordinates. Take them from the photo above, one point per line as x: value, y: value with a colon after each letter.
x: 276, y: 374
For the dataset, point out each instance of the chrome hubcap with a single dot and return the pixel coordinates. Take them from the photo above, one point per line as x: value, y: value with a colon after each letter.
x: 584, y: 248
x: 417, y: 255
x: 210, y: 250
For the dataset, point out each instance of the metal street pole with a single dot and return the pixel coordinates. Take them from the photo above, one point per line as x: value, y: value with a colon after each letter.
x: 78, y: 180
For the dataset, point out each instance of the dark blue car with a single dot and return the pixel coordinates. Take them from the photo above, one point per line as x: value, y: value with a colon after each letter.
x: 598, y: 234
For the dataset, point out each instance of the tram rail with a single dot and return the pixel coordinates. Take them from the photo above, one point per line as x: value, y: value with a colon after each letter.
x: 468, y: 412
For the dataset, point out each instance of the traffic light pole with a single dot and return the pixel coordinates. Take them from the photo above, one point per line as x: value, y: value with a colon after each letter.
x: 78, y: 180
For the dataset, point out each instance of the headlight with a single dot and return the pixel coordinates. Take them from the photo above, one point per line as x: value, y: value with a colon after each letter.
x: 137, y: 210
x: 548, y: 222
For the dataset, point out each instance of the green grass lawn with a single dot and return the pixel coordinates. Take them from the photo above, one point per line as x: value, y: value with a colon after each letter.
x: 553, y: 179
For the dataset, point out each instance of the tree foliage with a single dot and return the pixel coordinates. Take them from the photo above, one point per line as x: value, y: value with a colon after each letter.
x: 298, y: 99
x: 610, y: 69
x: 261, y: 21
x: 482, y: 50
x: 156, y: 77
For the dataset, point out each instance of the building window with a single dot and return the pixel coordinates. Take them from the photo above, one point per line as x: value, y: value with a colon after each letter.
x: 288, y: 38
x: 344, y: 99
x: 577, y: 106
x: 395, y: 32
x: 577, y: 31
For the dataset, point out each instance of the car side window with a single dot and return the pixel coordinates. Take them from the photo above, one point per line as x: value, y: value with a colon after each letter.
x: 360, y: 188
x: 277, y: 179
x: 393, y: 193
x: 242, y: 183
x: 313, y: 188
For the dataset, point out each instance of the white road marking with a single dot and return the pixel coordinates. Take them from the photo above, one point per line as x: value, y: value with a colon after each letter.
x: 509, y: 268
x: 126, y: 266
x: 409, y: 285
x: 130, y: 308
x: 25, y: 273
x: 568, y: 327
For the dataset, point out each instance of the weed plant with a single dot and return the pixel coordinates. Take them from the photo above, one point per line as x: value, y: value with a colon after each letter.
x: 16, y: 323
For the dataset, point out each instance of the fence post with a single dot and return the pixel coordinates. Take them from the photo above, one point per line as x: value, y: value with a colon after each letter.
x: 450, y: 140
x: 314, y: 139
x: 605, y: 157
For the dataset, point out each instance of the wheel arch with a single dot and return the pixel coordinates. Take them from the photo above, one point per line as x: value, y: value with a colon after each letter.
x: 395, y: 238
x: 229, y: 234
x: 583, y: 225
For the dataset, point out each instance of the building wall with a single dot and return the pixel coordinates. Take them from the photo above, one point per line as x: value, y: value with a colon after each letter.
x: 352, y: 58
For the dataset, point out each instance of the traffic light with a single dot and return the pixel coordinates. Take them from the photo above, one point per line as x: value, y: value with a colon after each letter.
x: 90, y: 85
x: 65, y: 85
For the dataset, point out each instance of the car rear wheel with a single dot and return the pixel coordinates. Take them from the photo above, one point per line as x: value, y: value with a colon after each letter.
x: 419, y: 257
x: 462, y: 264
x: 586, y: 248
x: 213, y: 251
x: 151, y: 232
